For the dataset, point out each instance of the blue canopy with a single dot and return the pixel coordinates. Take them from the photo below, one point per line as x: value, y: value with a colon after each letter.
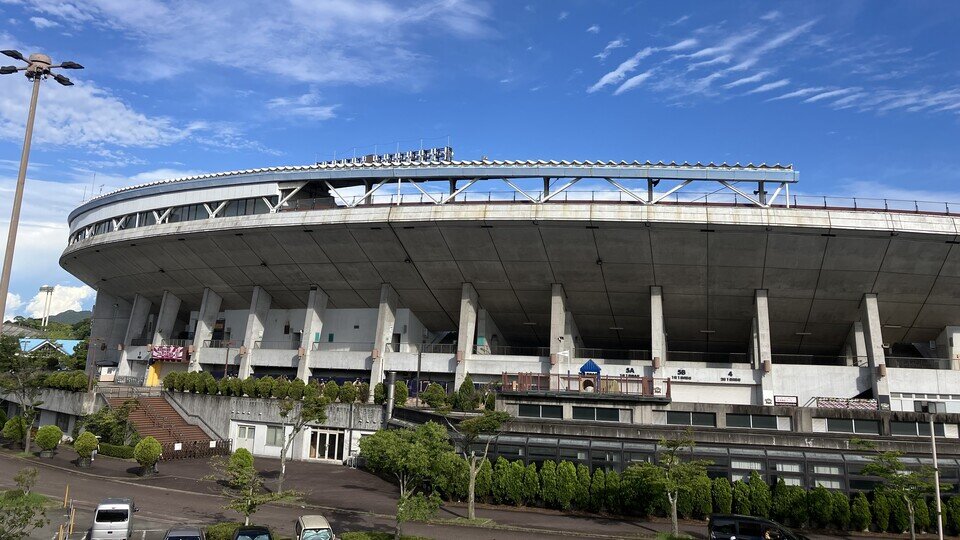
x: 589, y: 367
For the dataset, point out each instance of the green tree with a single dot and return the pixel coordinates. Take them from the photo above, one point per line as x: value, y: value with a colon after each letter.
x: 722, y: 496
x: 700, y: 496
x: 581, y: 495
x: 675, y: 472
x: 566, y: 484
x: 469, y: 399
x: 514, y: 483
x: 147, y: 452
x: 484, y: 480
x: 922, y: 510
x: 400, y: 393
x: 412, y: 456
x: 898, y: 482
x: 250, y: 386
x: 15, y: 428
x: 860, y: 517
x: 548, y: 483
x: 501, y: 473
x: 741, y: 498
x: 298, y: 414
x: 489, y: 425
x: 331, y: 390
x: 881, y: 511
x: 416, y: 507
x: 379, y: 394
x: 434, y: 396
x: 759, y: 496
x: 455, y: 477
x: 348, y: 392
x: 48, y: 437
x: 20, y: 511
x: 363, y: 392
x: 243, y: 485
x: 22, y: 377
x: 951, y: 512
x: 531, y: 484
x: 85, y: 444
x: 614, y: 500
x: 899, y: 515
x: 820, y: 507
x: 598, y: 490
x: 841, y: 510
x: 281, y: 388
x: 295, y: 391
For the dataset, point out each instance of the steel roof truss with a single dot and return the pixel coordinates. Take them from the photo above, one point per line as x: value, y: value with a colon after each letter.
x: 421, y: 190
x: 671, y: 191
x: 550, y: 195
x: 734, y: 189
x: 459, y: 191
x: 518, y: 190
x: 624, y: 189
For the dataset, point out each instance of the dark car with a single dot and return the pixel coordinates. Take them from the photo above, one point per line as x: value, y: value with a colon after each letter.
x: 736, y: 527
x: 252, y: 533
x: 184, y: 532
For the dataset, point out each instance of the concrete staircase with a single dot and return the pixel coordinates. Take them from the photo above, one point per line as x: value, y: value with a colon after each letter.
x: 156, y: 418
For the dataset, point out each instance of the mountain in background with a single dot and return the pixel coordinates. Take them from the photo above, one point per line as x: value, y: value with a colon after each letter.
x: 70, y: 316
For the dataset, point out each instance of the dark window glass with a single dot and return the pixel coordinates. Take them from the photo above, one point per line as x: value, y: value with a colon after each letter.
x: 532, y: 411
x: 738, y: 420
x: 111, y: 516
x: 678, y: 418
x: 551, y: 411
x: 573, y: 454
x: 509, y: 451
x: 868, y: 426
x: 841, y: 425
x: 584, y: 413
x: 904, y: 428
x: 608, y: 415
x: 704, y: 419
x: 176, y: 214
x: 764, y: 421
x: 749, y: 528
x: 923, y: 429
x: 259, y: 206
x: 545, y: 452
x: 723, y: 526
x: 230, y: 210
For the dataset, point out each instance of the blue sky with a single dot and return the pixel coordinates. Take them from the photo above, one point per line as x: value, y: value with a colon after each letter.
x: 862, y: 97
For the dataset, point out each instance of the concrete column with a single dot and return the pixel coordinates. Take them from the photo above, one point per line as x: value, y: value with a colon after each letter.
x: 138, y: 318
x: 658, y: 335
x: 855, y: 349
x: 108, y: 324
x: 561, y: 334
x: 761, y: 346
x: 386, y: 320
x: 873, y: 339
x: 467, y: 331
x: 167, y: 319
x: 209, y: 311
x: 312, y: 325
x: 948, y: 345
x: 259, y: 309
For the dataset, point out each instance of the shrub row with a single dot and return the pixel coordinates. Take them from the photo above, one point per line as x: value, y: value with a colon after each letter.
x: 116, y: 450
x: 466, y: 398
x: 202, y: 382
x: 73, y: 381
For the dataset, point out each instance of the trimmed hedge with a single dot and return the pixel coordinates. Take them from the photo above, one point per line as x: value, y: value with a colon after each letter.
x: 147, y: 452
x: 85, y: 444
x: 48, y: 437
x: 73, y: 381
x: 116, y: 450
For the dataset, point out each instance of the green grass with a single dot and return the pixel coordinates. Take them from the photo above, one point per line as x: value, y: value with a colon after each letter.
x: 669, y: 536
x: 370, y: 535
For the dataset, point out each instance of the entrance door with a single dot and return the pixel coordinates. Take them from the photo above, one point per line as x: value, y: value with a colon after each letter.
x: 245, y: 437
x: 153, y: 374
x: 326, y: 445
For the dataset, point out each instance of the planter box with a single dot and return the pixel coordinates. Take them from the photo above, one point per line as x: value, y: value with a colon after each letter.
x: 47, y: 453
x: 84, y: 462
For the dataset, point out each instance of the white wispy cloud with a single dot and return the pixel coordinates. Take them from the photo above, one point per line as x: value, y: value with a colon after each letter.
x: 798, y: 93
x: 303, y: 106
x: 633, y: 82
x: 563, y: 15
x: 593, y: 29
x: 770, y: 16
x: 622, y: 70
x: 726, y: 45
x: 770, y: 86
x: 682, y: 45
x: 829, y: 94
x: 680, y: 20
x: 42, y: 22
x: 783, y: 38
x: 747, y: 80
x: 610, y: 47
x: 724, y: 59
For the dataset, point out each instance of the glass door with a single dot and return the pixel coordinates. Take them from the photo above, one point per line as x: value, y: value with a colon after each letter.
x: 245, y: 436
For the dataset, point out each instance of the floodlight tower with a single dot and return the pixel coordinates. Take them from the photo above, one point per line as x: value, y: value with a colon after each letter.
x: 38, y: 68
x: 47, y: 291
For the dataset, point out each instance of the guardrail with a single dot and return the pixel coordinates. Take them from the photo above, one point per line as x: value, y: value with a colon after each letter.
x: 918, y: 363
x: 221, y: 344
x: 585, y: 384
x: 359, y: 346
x: 436, y: 348
x: 178, y: 342
x: 276, y: 344
x: 128, y: 380
x: 508, y: 350
x: 195, y: 449
x: 141, y: 342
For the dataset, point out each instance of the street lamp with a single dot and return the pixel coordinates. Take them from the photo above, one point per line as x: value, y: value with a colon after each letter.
x: 932, y: 407
x: 38, y: 67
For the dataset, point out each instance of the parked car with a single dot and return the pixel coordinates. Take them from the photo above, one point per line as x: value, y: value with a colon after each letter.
x: 184, y: 533
x: 315, y: 527
x: 113, y: 520
x: 250, y: 532
x: 736, y: 527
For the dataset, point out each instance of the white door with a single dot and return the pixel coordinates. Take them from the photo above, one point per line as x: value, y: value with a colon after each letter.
x: 326, y: 445
x: 245, y: 437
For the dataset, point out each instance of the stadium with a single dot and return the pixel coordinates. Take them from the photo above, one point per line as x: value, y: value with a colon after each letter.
x: 613, y: 302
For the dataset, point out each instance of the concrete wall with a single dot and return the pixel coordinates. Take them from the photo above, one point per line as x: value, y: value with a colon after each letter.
x: 341, y: 323
x: 808, y: 382
x: 910, y: 385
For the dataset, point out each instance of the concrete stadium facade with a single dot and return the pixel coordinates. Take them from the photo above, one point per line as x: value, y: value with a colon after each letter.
x: 683, y: 284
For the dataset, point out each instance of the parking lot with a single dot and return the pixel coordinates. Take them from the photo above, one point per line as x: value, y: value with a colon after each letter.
x: 147, y: 526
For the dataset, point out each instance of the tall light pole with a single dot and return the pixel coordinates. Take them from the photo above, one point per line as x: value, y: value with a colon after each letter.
x: 931, y: 408
x: 38, y: 67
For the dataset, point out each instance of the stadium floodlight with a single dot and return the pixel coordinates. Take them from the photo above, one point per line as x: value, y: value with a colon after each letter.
x: 15, y: 55
x: 38, y: 68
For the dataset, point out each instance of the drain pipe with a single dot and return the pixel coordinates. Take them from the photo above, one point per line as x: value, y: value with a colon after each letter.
x: 391, y: 380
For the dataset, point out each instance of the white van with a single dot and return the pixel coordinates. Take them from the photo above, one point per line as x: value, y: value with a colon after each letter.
x: 314, y: 528
x: 113, y: 520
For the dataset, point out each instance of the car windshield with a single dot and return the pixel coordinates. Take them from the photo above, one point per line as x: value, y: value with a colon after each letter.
x: 184, y: 537
x: 253, y: 536
x: 316, y: 534
x: 111, y: 516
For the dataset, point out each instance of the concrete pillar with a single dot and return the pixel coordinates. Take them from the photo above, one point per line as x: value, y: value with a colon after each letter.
x: 386, y: 320
x: 658, y: 335
x: 108, y: 324
x: 562, y: 333
x: 312, y: 330
x: 761, y: 346
x: 138, y: 318
x: 948, y: 345
x: 167, y: 319
x: 259, y: 309
x: 873, y: 339
x: 209, y: 311
x: 467, y: 331
x: 855, y: 349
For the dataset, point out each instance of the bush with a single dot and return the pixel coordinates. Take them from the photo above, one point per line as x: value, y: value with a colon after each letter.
x: 598, y: 490
x: 789, y: 504
x: 249, y: 386
x: 265, y: 386
x: 490, y: 401
x: 48, y: 437
x: 169, y: 382
x: 281, y: 388
x: 210, y: 385
x: 3, y: 417
x: 531, y: 484
x: 501, y: 472
x: 400, y: 393
x: 722, y: 496
x: 819, y: 507
x: 454, y: 480
x: 548, y: 484
x: 566, y: 484
x: 331, y: 390
x: 116, y: 450
x: 841, y: 510
x: 860, y: 517
x: 484, y: 480
x: 295, y: 391
x: 348, y: 392
x: 614, y: 501
x: 469, y: 400
x: 881, y: 511
x: 899, y: 515
x: 15, y: 429
x: 222, y: 531
x: 741, y: 499
x: 147, y: 452
x: 190, y: 381
x: 759, y: 496
x: 514, y: 483
x: 921, y: 512
x: 581, y: 493
x: 700, y: 500
x: 434, y: 396
x: 951, y: 511
x: 363, y: 392
x: 379, y: 397
x: 85, y: 444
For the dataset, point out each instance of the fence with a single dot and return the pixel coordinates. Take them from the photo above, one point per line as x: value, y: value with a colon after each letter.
x: 278, y: 344
x: 507, y: 350
x: 586, y: 384
x: 195, y: 449
x: 361, y: 346
x: 918, y: 363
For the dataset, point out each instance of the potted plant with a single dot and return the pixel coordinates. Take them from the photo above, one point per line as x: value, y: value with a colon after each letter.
x: 48, y: 438
x: 85, y: 444
x: 147, y: 453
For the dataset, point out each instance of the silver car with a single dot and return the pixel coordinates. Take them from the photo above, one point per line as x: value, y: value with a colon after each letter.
x: 184, y: 532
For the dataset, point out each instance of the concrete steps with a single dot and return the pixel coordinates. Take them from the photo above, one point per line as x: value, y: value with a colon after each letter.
x: 156, y: 418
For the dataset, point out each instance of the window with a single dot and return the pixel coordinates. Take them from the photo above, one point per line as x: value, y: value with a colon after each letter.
x: 572, y: 453
x: 750, y: 528
x: 683, y: 418
x: 788, y: 467
x: 915, y: 429
x: 745, y: 464
x: 848, y: 425
x: 274, y: 436
x: 601, y: 414
x: 111, y: 516
x: 828, y: 483
x: 755, y: 421
x: 791, y: 481
x: 826, y: 469
x: 540, y: 411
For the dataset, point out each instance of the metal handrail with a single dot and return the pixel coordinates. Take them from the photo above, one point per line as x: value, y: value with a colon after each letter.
x: 276, y: 344
x: 361, y: 346
x: 911, y: 362
x: 221, y: 343
x: 612, y: 354
x: 510, y: 350
x: 177, y: 342
x: 141, y: 342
